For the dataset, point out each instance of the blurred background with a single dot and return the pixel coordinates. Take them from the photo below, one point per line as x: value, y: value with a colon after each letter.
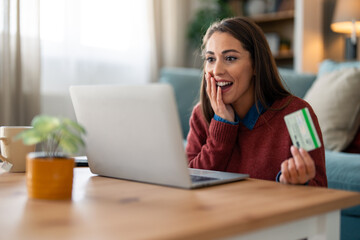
x: 49, y: 45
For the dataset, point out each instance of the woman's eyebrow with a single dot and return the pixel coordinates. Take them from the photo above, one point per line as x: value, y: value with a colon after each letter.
x: 230, y: 50
x: 223, y: 52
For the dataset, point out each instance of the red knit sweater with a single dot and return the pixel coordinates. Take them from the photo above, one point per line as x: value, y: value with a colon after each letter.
x: 258, y: 152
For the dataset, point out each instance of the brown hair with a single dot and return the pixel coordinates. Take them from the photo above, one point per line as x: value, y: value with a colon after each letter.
x: 267, y: 83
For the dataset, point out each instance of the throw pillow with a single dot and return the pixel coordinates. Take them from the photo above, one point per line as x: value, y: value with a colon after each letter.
x: 335, y: 98
x: 328, y: 66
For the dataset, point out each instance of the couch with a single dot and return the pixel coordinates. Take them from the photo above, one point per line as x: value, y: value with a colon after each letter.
x: 343, y: 169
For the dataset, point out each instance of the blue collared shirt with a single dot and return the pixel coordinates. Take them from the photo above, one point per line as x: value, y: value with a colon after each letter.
x: 250, y: 118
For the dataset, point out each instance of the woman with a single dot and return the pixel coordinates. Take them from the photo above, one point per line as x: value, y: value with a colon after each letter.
x: 238, y: 126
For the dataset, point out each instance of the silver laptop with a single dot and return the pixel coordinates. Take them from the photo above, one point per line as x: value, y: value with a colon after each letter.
x: 134, y: 133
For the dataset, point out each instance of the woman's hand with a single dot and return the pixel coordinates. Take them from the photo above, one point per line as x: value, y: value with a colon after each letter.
x: 214, y: 92
x: 299, y: 169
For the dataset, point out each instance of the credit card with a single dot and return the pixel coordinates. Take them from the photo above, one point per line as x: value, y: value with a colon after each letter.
x: 302, y: 130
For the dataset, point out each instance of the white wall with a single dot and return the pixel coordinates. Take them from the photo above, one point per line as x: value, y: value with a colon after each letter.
x: 309, y: 43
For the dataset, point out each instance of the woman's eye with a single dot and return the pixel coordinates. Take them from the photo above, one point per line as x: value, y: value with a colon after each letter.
x: 230, y: 58
x: 210, y: 59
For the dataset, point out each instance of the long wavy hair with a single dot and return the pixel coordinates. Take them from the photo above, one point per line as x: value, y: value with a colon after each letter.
x: 267, y: 83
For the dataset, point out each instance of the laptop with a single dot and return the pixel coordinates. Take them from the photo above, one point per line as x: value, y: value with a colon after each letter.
x: 134, y: 133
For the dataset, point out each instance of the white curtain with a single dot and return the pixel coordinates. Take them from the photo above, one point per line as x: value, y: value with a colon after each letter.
x: 91, y: 42
x: 169, y: 20
x: 19, y: 61
x: 107, y: 42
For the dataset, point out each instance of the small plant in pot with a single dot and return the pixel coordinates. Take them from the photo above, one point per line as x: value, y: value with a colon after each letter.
x: 49, y: 173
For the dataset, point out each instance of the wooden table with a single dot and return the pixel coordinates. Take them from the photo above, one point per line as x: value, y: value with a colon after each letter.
x: 106, y: 208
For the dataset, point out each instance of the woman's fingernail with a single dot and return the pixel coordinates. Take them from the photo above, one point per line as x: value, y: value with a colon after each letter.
x: 293, y: 149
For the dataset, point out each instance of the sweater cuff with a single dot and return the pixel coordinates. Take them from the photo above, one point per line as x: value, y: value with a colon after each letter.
x: 223, y: 132
x: 278, y: 179
x: 220, y: 119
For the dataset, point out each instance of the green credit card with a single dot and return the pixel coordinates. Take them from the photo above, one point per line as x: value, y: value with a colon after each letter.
x: 302, y: 130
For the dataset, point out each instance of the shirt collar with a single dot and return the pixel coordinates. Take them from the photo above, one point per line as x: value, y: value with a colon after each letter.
x: 252, y: 116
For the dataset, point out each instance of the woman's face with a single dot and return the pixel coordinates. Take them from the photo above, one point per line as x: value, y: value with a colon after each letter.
x: 231, y: 66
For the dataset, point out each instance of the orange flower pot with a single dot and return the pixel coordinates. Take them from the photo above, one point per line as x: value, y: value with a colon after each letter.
x: 49, y: 178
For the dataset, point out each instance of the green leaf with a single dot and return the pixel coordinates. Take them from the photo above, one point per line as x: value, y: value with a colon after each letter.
x: 74, y: 125
x: 68, y: 145
x: 67, y: 134
x: 54, y: 133
x: 46, y: 124
x: 30, y: 137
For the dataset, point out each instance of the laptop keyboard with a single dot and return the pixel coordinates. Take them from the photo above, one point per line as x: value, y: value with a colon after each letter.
x: 81, y: 161
x: 196, y: 178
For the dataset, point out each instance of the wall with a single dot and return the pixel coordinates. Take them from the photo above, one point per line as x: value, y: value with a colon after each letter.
x: 308, y: 35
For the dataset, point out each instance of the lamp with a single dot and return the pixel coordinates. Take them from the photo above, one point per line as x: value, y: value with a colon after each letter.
x: 347, y: 20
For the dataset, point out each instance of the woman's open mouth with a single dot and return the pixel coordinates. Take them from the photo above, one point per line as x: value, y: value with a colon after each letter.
x: 224, y: 85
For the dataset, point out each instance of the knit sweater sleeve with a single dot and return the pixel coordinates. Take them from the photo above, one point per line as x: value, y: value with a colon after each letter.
x: 209, y: 145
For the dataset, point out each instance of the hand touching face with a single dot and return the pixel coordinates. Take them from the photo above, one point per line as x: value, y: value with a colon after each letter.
x: 215, y: 95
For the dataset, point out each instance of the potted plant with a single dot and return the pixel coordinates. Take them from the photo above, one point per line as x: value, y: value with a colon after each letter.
x: 211, y: 11
x: 49, y: 173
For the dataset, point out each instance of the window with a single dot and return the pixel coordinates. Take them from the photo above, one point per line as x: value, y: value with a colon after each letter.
x: 93, y: 42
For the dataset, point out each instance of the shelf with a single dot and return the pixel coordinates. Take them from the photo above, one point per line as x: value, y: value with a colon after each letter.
x: 272, y: 17
x: 281, y: 22
x: 284, y: 56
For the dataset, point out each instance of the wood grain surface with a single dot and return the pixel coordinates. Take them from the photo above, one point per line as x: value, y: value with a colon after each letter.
x: 108, y: 208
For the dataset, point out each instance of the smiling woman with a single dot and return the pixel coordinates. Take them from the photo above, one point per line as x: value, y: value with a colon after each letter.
x: 238, y: 126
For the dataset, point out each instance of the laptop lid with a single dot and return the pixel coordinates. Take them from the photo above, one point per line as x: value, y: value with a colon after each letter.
x: 134, y: 133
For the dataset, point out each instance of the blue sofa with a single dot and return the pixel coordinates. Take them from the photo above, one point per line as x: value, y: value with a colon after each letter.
x: 343, y: 169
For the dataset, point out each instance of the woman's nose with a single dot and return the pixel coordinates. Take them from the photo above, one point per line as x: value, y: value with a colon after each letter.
x: 218, y: 68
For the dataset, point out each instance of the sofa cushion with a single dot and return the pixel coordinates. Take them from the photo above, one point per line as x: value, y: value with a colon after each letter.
x: 342, y: 170
x: 296, y: 83
x: 328, y: 66
x: 335, y: 99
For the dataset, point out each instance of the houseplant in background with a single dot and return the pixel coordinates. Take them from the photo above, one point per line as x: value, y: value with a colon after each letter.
x: 211, y: 11
x: 49, y: 173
